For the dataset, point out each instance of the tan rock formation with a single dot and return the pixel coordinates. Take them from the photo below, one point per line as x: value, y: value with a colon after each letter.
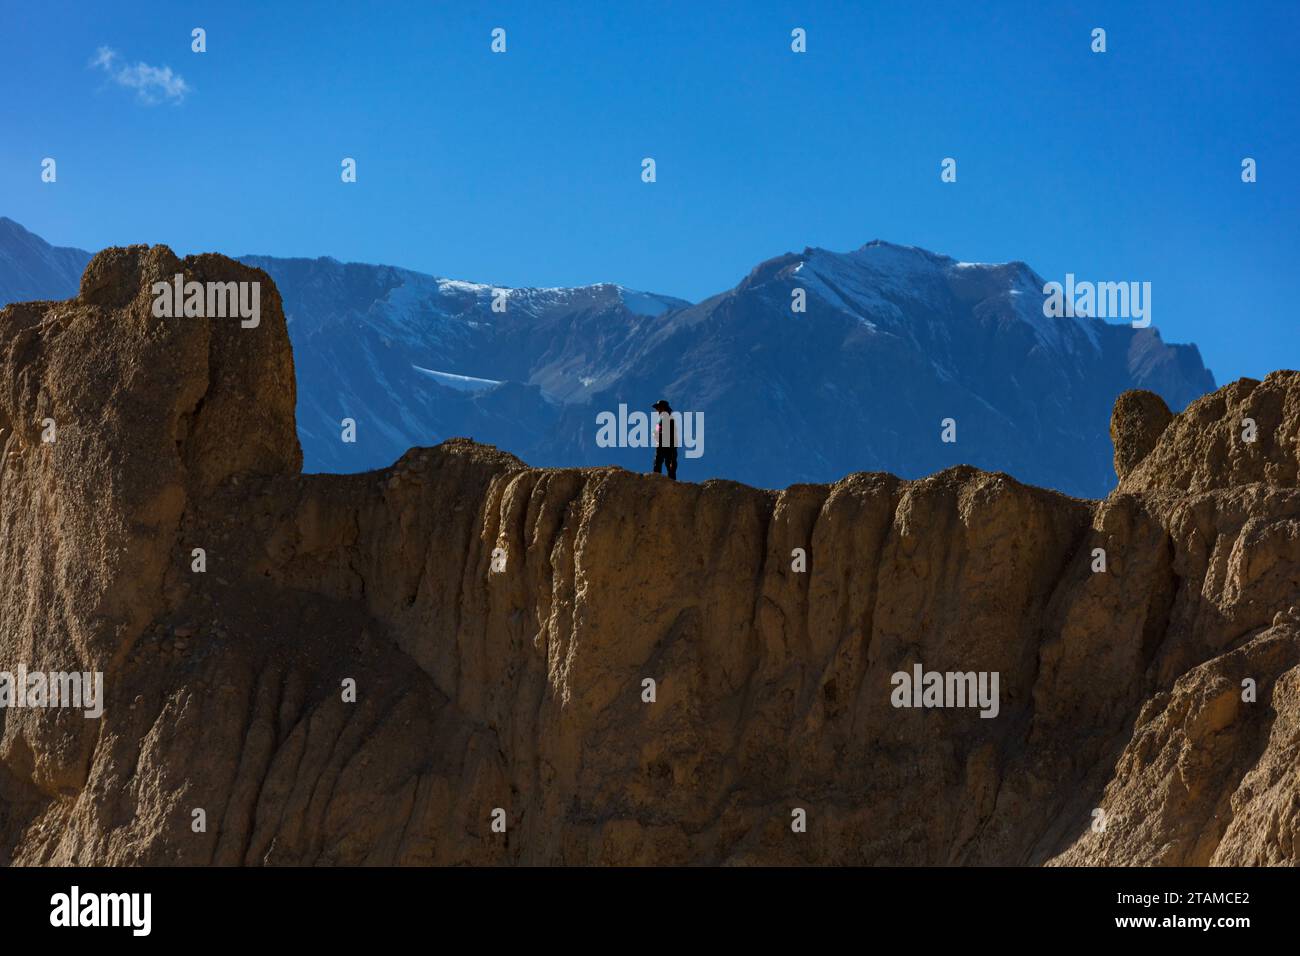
x: 1136, y: 424
x: 499, y: 623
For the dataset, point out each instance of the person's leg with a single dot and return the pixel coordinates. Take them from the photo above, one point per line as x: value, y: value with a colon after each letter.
x: 672, y: 463
x: 659, y: 460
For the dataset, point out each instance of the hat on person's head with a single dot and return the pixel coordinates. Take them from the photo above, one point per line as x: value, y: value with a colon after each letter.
x: 662, y: 406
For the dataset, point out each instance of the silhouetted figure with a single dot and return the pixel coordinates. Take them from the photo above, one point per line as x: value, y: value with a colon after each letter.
x: 666, y: 439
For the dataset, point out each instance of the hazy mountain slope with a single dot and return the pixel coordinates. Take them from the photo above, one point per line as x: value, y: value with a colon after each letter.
x: 31, y: 268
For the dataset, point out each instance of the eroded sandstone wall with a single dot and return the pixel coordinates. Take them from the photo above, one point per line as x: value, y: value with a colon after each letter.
x: 499, y: 622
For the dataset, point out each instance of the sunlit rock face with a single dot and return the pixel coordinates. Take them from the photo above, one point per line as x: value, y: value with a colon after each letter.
x: 391, y: 667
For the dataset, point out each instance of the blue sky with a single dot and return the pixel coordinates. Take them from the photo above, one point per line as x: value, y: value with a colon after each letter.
x: 524, y: 168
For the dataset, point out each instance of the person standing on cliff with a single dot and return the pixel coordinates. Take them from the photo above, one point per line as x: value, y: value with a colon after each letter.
x: 666, y: 439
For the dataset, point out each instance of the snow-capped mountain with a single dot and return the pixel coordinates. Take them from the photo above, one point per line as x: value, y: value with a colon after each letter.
x: 414, y: 359
x: 893, y: 341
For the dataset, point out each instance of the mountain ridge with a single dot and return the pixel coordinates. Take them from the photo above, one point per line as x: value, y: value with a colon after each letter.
x: 896, y: 340
x: 32, y: 269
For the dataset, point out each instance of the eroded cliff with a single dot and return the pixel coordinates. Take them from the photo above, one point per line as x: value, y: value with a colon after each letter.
x: 499, y: 623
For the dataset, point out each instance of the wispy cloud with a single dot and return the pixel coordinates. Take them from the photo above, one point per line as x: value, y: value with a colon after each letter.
x: 152, y: 84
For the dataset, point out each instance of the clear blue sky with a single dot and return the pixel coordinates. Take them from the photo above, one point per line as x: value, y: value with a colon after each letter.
x: 524, y: 168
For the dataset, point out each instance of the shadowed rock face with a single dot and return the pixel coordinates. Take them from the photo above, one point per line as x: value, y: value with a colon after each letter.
x: 499, y: 622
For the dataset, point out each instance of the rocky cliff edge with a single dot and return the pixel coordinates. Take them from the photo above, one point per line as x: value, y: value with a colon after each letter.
x: 500, y: 626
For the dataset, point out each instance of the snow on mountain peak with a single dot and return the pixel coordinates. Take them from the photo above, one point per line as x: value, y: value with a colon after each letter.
x: 882, y: 284
x: 533, y: 300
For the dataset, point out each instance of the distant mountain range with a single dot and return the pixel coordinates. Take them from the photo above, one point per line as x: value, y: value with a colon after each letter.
x: 31, y: 268
x: 894, y: 340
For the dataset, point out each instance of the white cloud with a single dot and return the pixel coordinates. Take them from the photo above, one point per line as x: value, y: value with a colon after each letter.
x: 152, y: 84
